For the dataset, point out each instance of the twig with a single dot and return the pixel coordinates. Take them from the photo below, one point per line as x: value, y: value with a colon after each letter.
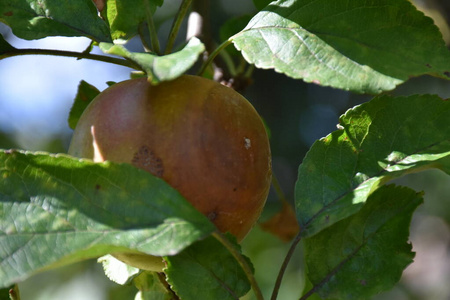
x: 79, y: 55
x: 285, y: 264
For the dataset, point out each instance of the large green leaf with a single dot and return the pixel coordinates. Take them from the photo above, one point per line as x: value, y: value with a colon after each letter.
x: 35, y: 19
x: 366, y: 253
x: 379, y: 140
x: 210, y: 263
x: 349, y: 44
x: 161, y: 68
x: 125, y: 16
x: 56, y: 210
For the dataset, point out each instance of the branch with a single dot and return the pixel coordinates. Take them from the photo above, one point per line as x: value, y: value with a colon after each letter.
x: 79, y: 55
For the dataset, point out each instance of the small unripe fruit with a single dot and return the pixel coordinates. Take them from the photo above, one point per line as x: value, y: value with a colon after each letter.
x: 204, y: 139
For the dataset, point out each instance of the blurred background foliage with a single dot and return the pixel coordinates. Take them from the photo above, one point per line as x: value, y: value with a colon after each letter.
x: 36, y: 94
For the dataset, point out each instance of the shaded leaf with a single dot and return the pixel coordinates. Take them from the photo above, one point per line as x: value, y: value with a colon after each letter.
x: 4, y: 293
x: 152, y: 286
x: 365, y: 47
x: 207, y: 262
x: 125, y: 16
x: 383, y: 139
x: 86, y: 93
x: 35, y: 19
x: 231, y: 27
x: 5, y: 46
x: 366, y: 253
x: 161, y: 68
x: 56, y: 210
x: 260, y: 4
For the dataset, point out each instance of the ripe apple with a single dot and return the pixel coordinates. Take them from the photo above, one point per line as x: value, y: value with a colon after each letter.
x: 204, y: 139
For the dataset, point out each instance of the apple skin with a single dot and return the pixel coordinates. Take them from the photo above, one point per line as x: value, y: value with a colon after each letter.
x: 204, y: 139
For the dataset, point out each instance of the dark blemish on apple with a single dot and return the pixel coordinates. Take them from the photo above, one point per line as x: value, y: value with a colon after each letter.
x: 8, y: 13
x: 447, y: 73
x: 147, y: 160
x: 212, y: 216
x: 428, y: 65
x: 97, y: 187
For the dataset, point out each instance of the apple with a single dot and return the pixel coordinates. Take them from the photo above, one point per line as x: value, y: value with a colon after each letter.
x: 203, y: 138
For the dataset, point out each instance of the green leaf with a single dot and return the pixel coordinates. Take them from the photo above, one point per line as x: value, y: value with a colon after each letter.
x: 260, y: 4
x: 56, y: 210
x: 231, y: 27
x: 35, y: 19
x: 4, y: 293
x: 207, y: 262
x: 161, y: 68
x: 366, y: 47
x: 86, y: 93
x: 366, y: 253
x: 125, y: 16
x: 118, y: 271
x: 380, y: 140
x: 152, y: 286
x: 5, y: 46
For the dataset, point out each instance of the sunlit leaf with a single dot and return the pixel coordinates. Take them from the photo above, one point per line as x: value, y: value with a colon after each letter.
x: 380, y: 140
x: 56, y: 210
x: 35, y: 19
x: 118, y: 271
x: 355, y: 45
x: 161, y: 68
x: 125, y: 16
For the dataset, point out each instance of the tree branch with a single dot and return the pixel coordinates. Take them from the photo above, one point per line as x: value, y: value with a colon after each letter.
x: 79, y: 55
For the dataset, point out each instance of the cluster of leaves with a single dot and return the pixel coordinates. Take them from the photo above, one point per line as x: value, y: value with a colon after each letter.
x: 56, y: 210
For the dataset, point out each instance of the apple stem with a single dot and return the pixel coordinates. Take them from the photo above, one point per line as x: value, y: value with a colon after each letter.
x: 79, y: 55
x: 182, y: 11
x: 242, y: 262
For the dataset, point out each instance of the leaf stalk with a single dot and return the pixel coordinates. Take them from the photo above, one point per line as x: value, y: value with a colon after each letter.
x: 242, y: 262
x: 212, y: 56
x: 182, y: 11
